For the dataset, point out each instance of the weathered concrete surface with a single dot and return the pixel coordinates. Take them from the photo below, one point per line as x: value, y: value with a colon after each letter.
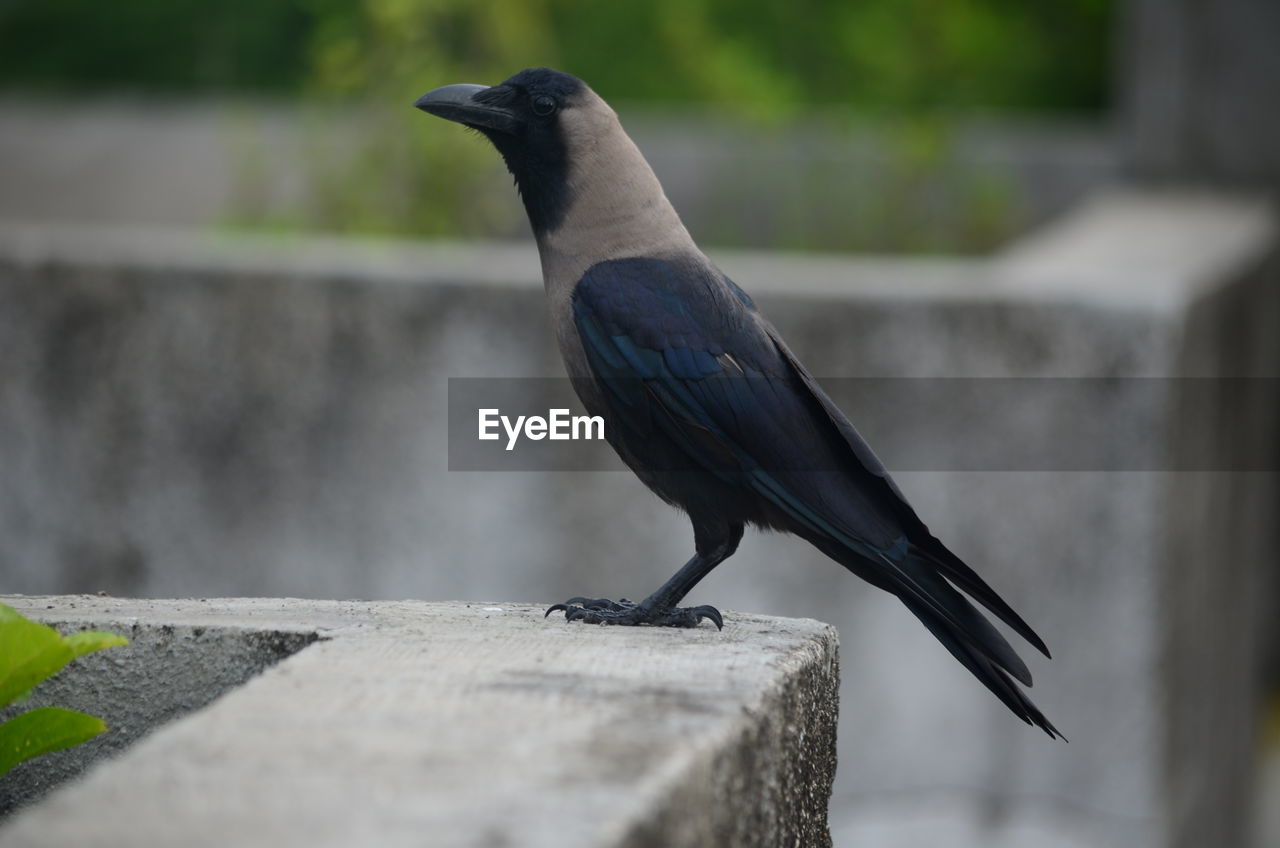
x: 189, y: 415
x: 467, y: 725
x: 167, y: 670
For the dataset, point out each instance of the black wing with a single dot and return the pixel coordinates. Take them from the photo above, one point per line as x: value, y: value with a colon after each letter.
x: 678, y: 347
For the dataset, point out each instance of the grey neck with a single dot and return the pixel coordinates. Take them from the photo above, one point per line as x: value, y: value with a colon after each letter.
x: 617, y: 209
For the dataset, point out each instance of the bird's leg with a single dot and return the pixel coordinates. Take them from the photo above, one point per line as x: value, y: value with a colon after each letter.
x: 659, y: 609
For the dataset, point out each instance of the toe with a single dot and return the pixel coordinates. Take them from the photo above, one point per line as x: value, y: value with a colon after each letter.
x: 710, y: 614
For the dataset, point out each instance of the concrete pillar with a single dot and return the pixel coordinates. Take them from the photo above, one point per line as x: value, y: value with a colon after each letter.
x: 1198, y: 88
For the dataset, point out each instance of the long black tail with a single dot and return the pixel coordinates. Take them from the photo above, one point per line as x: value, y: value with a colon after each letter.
x: 944, y: 612
x: 920, y: 584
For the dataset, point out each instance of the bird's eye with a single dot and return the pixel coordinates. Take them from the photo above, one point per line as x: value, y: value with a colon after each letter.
x: 544, y: 105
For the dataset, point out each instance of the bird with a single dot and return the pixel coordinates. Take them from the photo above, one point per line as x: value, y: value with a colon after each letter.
x: 701, y: 397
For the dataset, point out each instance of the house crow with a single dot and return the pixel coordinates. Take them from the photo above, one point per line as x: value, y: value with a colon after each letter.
x: 701, y: 397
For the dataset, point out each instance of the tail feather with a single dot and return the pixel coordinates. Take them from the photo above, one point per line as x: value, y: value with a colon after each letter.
x: 982, y: 668
x: 921, y: 584
x: 967, y: 579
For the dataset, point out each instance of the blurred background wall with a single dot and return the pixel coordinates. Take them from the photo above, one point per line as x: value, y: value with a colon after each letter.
x: 213, y: 383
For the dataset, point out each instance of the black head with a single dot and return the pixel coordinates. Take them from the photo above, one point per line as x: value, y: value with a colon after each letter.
x: 523, y: 119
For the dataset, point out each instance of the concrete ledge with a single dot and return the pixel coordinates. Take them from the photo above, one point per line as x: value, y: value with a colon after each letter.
x: 170, y: 667
x: 459, y: 724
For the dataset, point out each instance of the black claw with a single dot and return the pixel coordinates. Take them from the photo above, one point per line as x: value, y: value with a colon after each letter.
x: 630, y: 614
x: 710, y: 614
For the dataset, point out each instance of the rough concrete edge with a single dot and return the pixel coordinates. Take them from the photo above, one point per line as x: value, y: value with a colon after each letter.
x: 254, y: 614
x: 1221, y: 585
x: 1133, y: 247
x: 782, y: 751
x: 512, y: 264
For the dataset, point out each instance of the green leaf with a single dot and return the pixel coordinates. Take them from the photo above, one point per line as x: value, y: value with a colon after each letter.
x: 88, y: 641
x: 44, y: 730
x: 29, y: 652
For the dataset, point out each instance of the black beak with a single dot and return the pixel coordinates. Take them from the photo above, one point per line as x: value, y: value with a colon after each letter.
x: 458, y: 103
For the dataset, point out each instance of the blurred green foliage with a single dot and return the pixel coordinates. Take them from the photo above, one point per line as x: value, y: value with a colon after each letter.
x: 759, y: 63
x: 762, y: 56
x: 156, y: 45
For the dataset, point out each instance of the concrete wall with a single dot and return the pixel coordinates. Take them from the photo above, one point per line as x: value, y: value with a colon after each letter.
x: 462, y: 725
x: 182, y: 416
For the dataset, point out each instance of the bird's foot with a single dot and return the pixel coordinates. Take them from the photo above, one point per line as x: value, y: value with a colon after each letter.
x: 631, y: 614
